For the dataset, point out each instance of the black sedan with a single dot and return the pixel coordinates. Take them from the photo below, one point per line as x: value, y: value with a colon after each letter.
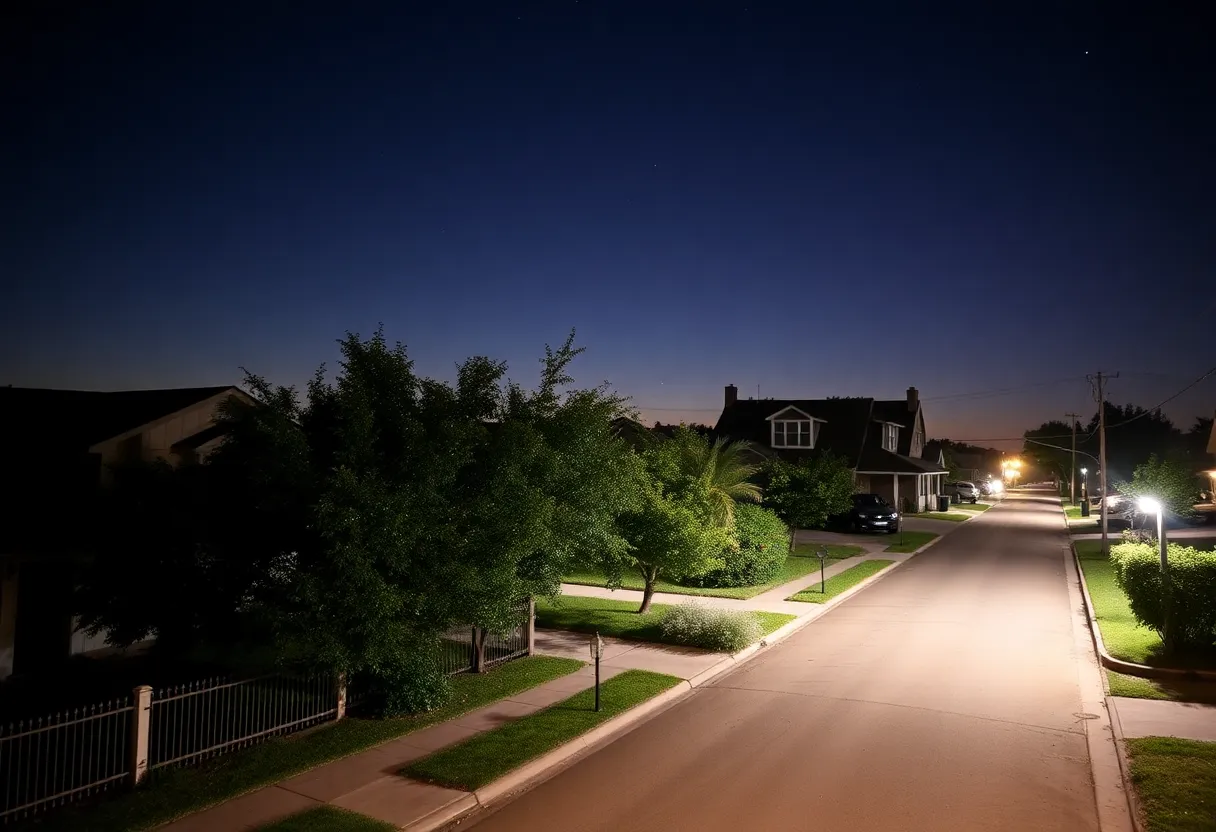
x: 871, y: 513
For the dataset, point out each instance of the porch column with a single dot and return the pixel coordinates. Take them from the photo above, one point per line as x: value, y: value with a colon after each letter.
x: 896, y: 491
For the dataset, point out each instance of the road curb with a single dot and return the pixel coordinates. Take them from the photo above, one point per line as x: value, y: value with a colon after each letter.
x: 1111, y: 781
x: 1130, y: 668
x: 548, y: 764
x: 1125, y: 763
x: 443, y: 815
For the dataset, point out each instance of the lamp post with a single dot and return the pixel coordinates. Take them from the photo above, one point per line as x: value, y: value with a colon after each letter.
x: 1084, y: 492
x: 1151, y: 506
x: 597, y: 651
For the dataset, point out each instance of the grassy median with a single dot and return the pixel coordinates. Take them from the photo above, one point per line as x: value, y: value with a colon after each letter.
x: 951, y: 516
x: 801, y: 563
x: 906, y: 542
x: 1123, y: 636
x: 486, y: 757
x: 174, y: 793
x: 837, y: 584
x: 974, y: 508
x: 621, y: 618
x: 1176, y: 781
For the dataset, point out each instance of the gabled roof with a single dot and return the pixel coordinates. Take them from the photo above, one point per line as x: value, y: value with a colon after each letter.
x: 934, y: 452
x: 792, y: 412
x: 896, y: 411
x: 75, y: 420
x: 844, y: 432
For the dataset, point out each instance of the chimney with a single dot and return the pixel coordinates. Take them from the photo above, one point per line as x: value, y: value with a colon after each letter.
x: 913, y: 399
x: 732, y: 394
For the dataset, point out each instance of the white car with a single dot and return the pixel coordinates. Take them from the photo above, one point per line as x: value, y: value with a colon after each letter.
x: 963, y: 491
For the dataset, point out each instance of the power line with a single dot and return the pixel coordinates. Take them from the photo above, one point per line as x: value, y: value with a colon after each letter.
x: 1161, y: 404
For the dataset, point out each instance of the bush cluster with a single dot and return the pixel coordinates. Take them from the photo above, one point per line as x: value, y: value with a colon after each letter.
x: 1190, y: 590
x: 725, y: 631
x: 414, y: 684
x: 763, y: 545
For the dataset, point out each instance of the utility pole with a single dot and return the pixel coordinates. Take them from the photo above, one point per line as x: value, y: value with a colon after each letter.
x: 1101, y: 378
x: 1072, y: 472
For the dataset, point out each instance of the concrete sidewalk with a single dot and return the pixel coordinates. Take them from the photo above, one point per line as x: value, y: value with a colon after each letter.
x: 368, y: 782
x: 1161, y: 718
x: 772, y: 600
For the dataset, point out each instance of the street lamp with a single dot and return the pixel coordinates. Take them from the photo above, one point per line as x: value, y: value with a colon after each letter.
x: 1151, y: 506
x: 1084, y: 492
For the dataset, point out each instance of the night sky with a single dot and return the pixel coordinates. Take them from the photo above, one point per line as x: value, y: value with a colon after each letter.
x: 819, y: 199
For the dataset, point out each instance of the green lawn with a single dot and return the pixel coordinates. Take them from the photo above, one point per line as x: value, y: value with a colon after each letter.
x: 801, y: 563
x: 972, y: 507
x: 486, y: 757
x: 177, y: 792
x: 1072, y: 512
x: 1178, y: 690
x: 953, y: 515
x: 620, y: 618
x: 910, y: 541
x: 328, y: 819
x: 1176, y: 781
x: 839, y: 583
x: 1124, y: 637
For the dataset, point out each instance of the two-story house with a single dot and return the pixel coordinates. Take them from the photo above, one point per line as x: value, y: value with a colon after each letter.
x: 883, y: 441
x: 60, y: 446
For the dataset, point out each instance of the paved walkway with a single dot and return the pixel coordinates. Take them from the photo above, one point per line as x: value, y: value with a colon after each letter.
x: 368, y: 782
x: 771, y: 601
x: 1159, y: 718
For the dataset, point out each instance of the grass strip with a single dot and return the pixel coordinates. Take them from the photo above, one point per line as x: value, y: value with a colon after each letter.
x: 486, y: 757
x: 801, y: 563
x: 907, y: 542
x: 173, y: 793
x: 1123, y: 636
x: 951, y: 516
x: 328, y: 819
x: 1176, y: 781
x: 837, y: 584
x: 974, y: 508
x: 620, y: 618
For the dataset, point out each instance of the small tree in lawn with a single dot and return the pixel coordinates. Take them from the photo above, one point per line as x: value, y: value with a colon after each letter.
x: 805, y: 495
x: 722, y: 470
x: 1171, y: 482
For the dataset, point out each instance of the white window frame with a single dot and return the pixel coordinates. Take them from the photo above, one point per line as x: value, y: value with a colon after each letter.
x: 806, y: 428
x: 890, y: 436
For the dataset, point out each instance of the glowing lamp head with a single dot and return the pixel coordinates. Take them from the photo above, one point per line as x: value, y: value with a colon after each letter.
x: 1149, y: 506
x: 1084, y: 470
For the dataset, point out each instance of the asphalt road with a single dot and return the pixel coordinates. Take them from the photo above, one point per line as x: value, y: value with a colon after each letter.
x: 944, y: 697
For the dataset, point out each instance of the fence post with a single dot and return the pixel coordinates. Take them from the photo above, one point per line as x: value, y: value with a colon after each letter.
x: 341, y: 685
x: 531, y: 625
x: 141, y: 722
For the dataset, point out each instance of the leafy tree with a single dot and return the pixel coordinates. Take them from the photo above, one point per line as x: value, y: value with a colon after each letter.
x: 390, y: 506
x: 1196, y: 442
x: 1133, y: 434
x: 1049, y: 447
x: 722, y: 470
x: 1170, y: 482
x: 807, y: 494
x: 673, y: 533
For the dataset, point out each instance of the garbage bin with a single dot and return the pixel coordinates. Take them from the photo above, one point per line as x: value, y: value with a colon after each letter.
x: 1085, y: 507
x: 943, y: 502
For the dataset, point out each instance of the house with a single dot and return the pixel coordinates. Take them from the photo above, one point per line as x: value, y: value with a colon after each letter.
x: 883, y: 441
x: 61, y: 444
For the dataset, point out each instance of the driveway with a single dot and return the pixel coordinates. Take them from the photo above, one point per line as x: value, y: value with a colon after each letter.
x: 944, y: 697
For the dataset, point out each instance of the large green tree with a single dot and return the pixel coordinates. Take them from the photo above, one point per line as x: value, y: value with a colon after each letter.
x: 389, y: 506
x: 722, y: 470
x: 1172, y: 482
x: 805, y: 495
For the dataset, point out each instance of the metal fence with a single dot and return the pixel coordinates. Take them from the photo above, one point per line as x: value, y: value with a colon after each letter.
x: 62, y: 758
x: 201, y: 719
x: 69, y: 756
x: 458, y: 650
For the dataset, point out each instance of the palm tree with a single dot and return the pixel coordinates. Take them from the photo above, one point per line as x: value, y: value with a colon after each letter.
x: 722, y: 470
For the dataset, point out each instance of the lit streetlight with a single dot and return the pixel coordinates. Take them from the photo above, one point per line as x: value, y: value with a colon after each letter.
x: 1151, y: 506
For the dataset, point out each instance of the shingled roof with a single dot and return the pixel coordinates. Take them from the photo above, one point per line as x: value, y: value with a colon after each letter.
x: 843, y: 432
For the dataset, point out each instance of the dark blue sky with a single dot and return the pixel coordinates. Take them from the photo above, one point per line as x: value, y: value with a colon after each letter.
x: 821, y: 199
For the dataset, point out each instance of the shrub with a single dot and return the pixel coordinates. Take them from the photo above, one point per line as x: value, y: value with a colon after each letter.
x: 1191, y: 586
x: 763, y: 545
x: 722, y: 630
x: 413, y: 686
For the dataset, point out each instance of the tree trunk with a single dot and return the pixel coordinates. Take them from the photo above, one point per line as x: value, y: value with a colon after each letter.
x: 651, y: 576
x: 479, y: 650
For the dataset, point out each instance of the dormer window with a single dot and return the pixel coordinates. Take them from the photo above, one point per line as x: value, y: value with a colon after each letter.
x: 792, y: 428
x: 890, y: 437
x: 793, y: 434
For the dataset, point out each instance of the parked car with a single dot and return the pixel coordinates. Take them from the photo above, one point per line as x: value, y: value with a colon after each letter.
x: 871, y: 513
x: 962, y: 491
x: 990, y: 487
